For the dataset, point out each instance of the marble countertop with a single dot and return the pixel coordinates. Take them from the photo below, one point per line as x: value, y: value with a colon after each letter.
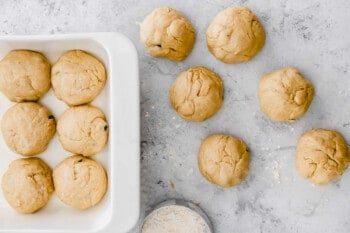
x: 310, y: 35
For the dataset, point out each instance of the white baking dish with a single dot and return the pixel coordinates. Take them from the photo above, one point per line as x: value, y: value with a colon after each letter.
x: 119, y: 210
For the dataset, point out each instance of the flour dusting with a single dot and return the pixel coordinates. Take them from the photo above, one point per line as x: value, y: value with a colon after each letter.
x: 174, y: 219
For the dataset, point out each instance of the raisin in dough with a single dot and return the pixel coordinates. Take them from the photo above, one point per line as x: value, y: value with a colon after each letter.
x: 223, y: 160
x: 28, y: 128
x: 197, y: 94
x: 24, y: 75
x: 80, y: 182
x: 78, y: 77
x: 235, y: 35
x: 321, y: 156
x: 27, y: 185
x: 167, y: 33
x: 83, y: 130
x: 285, y: 95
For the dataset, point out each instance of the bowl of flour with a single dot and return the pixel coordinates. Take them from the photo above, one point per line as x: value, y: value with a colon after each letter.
x: 176, y: 216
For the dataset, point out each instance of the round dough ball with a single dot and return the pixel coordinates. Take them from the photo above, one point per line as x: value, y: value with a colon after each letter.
x: 167, y: 33
x: 77, y: 77
x: 235, y: 35
x: 321, y: 156
x: 83, y: 130
x: 223, y: 160
x: 80, y: 182
x: 285, y: 95
x: 27, y: 185
x: 27, y: 128
x: 24, y: 75
x: 197, y: 94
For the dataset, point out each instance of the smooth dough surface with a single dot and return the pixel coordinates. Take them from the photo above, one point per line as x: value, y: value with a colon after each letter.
x: 78, y: 77
x: 197, y: 94
x: 27, y: 185
x: 223, y: 160
x: 80, y: 182
x: 28, y: 128
x: 83, y: 130
x: 285, y: 95
x: 321, y: 156
x: 24, y: 75
x: 167, y: 33
x: 235, y: 35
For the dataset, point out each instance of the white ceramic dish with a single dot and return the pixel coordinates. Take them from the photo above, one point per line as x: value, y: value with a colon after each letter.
x: 119, y: 210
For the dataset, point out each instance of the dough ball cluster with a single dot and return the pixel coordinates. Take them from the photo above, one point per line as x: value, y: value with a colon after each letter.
x: 235, y: 35
x: 167, y: 33
x: 321, y: 156
x: 285, y: 95
x: 80, y: 182
x: 28, y: 128
x: 197, y: 94
x: 223, y: 160
x: 24, y: 75
x: 78, y: 77
x: 27, y: 185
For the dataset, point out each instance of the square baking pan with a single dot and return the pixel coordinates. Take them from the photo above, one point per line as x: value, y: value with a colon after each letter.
x: 119, y: 100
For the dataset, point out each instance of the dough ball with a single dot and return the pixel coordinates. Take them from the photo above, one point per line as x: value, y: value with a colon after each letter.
x: 197, y: 94
x: 80, y: 182
x: 167, y: 33
x: 83, y: 130
x: 28, y: 128
x: 223, y: 160
x: 24, y: 75
x: 27, y: 185
x: 321, y: 156
x: 78, y: 77
x: 285, y: 95
x: 235, y: 35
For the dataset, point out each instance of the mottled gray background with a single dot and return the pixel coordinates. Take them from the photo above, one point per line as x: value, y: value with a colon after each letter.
x: 311, y: 35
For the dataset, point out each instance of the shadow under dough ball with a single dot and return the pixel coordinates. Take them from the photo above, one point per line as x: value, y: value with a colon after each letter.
x: 83, y: 130
x: 27, y: 185
x: 167, y: 33
x: 77, y: 77
x: 235, y: 35
x: 28, y: 128
x: 321, y: 156
x: 24, y: 75
x: 197, y: 94
x: 80, y: 182
x: 285, y: 95
x: 223, y: 160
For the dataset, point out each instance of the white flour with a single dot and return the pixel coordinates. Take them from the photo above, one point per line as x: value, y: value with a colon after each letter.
x: 174, y: 219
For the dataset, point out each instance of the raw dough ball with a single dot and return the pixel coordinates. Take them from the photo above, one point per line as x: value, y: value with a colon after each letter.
x: 27, y: 185
x: 223, y: 160
x: 285, y: 95
x: 197, y: 94
x: 27, y: 128
x: 83, y: 130
x: 80, y: 182
x: 235, y: 35
x: 321, y: 156
x: 77, y: 77
x: 167, y: 33
x: 24, y: 75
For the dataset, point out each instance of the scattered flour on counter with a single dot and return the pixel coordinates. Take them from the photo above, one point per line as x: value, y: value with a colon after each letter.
x: 174, y: 219
x: 275, y: 171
